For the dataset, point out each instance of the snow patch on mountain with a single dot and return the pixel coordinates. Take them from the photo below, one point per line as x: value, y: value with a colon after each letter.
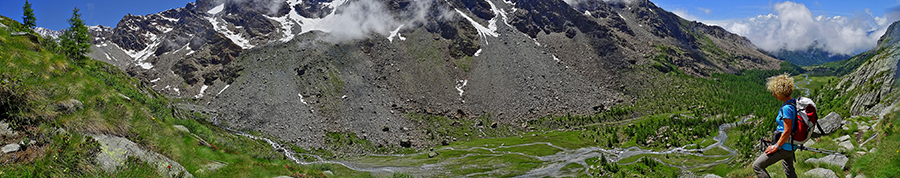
x: 202, y: 89
x: 396, y: 33
x: 286, y: 27
x: 459, y: 85
x: 490, y: 30
x: 223, y: 89
x: 235, y: 37
x: 301, y: 99
x: 47, y: 33
x: 107, y: 56
x: 217, y: 9
x: 141, y: 56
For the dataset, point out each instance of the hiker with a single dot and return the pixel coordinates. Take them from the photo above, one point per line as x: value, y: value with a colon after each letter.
x: 781, y: 86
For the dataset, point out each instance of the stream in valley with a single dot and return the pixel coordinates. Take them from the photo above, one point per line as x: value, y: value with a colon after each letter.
x: 553, y: 164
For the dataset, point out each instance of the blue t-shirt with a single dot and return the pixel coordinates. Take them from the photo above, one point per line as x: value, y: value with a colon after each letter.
x: 789, y: 112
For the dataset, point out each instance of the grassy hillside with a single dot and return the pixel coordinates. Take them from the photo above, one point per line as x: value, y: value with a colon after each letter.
x: 37, y: 84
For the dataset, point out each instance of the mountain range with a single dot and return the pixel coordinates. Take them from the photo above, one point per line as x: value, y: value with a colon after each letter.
x: 464, y: 88
x: 300, y: 69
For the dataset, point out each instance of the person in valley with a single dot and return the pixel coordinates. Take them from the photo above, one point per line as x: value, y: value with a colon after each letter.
x: 781, y: 86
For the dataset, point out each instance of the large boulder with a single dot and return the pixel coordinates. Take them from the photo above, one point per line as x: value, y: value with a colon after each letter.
x: 821, y: 172
x: 829, y: 124
x: 835, y: 159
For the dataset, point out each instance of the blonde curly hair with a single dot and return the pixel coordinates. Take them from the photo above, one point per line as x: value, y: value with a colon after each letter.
x: 781, y: 85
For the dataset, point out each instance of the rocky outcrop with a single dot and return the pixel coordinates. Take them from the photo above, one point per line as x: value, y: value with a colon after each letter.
x: 870, y: 85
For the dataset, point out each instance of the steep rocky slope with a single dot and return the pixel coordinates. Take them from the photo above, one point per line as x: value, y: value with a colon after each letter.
x: 870, y: 87
x: 291, y: 70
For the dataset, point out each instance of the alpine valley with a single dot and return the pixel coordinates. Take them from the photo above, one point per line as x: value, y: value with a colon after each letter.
x: 427, y: 88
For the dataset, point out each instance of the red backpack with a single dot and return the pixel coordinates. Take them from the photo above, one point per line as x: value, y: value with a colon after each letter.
x: 807, y: 117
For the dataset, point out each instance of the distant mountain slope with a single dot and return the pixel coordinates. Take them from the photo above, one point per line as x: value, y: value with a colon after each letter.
x: 283, y: 69
x: 809, y: 57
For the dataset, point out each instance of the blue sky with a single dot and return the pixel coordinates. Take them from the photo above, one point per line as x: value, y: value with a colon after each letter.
x: 836, y: 26
x: 724, y: 10
x: 52, y: 14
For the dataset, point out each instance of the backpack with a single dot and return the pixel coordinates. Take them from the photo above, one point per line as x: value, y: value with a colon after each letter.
x: 807, y: 116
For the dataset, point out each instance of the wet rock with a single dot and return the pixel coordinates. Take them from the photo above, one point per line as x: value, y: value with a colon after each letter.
x: 837, y: 160
x: 69, y: 106
x: 432, y: 154
x: 406, y: 143
x: 11, y: 148
x: 829, y: 124
x: 182, y: 128
x: 821, y: 172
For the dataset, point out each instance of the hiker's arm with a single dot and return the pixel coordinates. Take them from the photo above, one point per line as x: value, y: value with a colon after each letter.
x: 784, y: 137
x: 788, y: 125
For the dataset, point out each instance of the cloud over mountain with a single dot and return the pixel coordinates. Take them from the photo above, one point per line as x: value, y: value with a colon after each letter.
x: 793, y: 27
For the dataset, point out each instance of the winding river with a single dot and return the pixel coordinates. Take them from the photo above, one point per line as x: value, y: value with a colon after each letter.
x: 557, y: 161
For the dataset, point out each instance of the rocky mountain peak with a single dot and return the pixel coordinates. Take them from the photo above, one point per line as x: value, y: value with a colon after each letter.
x: 891, y: 36
x: 326, y: 63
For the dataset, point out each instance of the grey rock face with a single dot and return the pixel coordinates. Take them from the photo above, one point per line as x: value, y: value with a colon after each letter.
x: 830, y: 123
x: 837, y: 160
x: 873, y: 81
x: 11, y: 148
x: 821, y: 172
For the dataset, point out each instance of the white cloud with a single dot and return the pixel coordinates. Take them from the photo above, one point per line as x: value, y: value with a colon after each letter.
x: 793, y: 27
x: 359, y: 19
x: 704, y: 10
x: 684, y: 14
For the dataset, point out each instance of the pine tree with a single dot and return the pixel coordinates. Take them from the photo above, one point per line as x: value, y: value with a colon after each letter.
x: 28, y: 15
x: 76, y: 42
